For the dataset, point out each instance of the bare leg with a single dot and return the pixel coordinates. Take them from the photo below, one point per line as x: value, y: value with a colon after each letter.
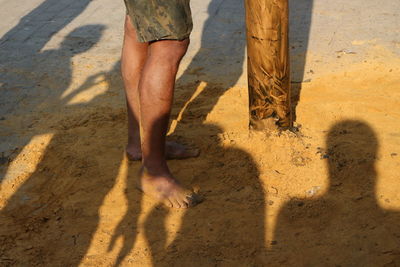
x: 156, y: 90
x: 134, y: 55
x: 151, y: 69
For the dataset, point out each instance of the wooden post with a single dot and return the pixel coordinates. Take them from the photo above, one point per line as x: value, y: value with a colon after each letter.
x: 268, y: 62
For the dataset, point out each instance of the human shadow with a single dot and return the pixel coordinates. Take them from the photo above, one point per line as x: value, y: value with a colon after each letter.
x: 346, y: 226
x: 30, y: 76
x: 127, y: 227
x: 21, y: 50
x: 300, y: 16
x: 228, y: 228
x: 52, y: 216
x: 36, y: 28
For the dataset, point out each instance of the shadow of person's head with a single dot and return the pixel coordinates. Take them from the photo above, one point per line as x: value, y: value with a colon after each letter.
x: 82, y: 39
x: 352, y: 147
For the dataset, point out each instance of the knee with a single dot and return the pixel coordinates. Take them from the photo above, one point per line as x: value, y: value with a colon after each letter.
x: 179, y: 48
x: 171, y: 51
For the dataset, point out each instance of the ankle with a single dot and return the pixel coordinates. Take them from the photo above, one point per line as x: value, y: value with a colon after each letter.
x: 134, y: 143
x: 157, y: 168
x: 133, y: 147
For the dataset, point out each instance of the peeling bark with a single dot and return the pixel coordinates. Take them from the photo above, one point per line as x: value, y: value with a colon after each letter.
x: 268, y: 62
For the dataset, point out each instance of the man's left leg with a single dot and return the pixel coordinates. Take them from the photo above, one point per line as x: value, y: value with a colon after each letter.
x: 156, y: 90
x: 134, y: 55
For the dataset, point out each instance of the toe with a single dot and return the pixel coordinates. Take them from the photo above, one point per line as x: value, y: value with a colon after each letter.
x: 183, y: 203
x: 175, y: 203
x: 168, y: 203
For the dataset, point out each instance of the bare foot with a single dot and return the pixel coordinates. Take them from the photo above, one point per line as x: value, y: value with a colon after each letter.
x: 174, y: 150
x: 167, y: 189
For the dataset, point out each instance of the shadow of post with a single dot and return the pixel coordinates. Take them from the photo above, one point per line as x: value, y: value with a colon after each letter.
x: 300, y: 16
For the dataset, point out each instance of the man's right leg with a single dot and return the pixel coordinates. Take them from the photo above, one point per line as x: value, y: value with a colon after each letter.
x: 134, y: 55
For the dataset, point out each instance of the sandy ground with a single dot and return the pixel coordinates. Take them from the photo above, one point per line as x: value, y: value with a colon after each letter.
x: 327, y: 195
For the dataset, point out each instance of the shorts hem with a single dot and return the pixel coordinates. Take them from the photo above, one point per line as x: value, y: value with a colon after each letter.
x: 168, y: 37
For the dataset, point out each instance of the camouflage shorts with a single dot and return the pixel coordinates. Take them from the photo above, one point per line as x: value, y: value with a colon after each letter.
x: 160, y: 19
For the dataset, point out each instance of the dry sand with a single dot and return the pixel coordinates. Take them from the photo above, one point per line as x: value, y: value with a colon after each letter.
x: 325, y: 196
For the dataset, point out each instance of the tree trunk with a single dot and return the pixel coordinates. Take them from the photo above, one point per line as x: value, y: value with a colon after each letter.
x: 268, y: 63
